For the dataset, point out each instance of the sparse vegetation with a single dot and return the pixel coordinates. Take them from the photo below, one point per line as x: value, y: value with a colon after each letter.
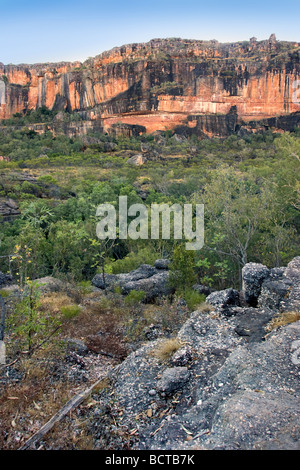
x: 166, y: 349
x: 284, y: 318
x: 70, y: 311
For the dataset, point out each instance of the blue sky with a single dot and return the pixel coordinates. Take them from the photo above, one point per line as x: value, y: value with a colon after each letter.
x: 34, y: 31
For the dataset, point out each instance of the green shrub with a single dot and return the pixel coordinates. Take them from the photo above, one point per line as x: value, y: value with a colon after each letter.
x: 85, y: 287
x: 182, y: 274
x: 135, y: 296
x: 193, y: 298
x: 4, y: 293
x: 47, y: 179
x: 133, y: 261
x: 70, y: 311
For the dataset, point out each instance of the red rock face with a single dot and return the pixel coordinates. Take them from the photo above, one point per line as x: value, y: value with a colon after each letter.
x: 160, y: 84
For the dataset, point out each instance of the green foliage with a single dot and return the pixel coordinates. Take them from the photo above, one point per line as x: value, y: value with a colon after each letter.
x: 29, y: 326
x: 134, y: 297
x: 249, y: 186
x: 70, y: 311
x: 182, y: 273
x: 193, y: 299
x: 4, y: 293
x: 166, y: 87
x: 133, y: 260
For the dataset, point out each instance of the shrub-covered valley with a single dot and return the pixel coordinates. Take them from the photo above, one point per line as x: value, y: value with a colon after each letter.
x: 62, y: 332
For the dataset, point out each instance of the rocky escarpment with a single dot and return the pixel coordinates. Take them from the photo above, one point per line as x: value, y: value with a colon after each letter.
x: 233, y: 382
x: 165, y: 83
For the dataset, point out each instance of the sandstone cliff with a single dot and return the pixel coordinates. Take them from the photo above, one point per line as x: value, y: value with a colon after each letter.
x: 165, y: 83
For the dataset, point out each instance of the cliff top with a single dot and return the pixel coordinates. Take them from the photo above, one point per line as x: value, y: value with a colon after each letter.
x: 160, y: 48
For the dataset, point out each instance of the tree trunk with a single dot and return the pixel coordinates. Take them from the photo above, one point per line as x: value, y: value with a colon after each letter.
x: 2, y: 329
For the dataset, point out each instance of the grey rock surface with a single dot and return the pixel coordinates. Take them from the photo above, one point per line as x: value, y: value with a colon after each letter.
x: 173, y: 379
x: 224, y: 297
x: 233, y: 384
x: 253, y: 275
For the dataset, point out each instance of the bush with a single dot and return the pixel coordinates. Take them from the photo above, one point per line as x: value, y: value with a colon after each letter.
x: 70, y: 311
x: 182, y: 275
x: 133, y: 261
x: 135, y: 296
x: 193, y: 299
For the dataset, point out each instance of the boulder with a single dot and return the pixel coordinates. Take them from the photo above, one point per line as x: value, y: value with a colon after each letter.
x: 173, y: 379
x: 104, y: 282
x: 253, y: 275
x: 137, y: 160
x: 147, y: 278
x: 154, y: 286
x: 201, y: 289
x: 292, y: 300
x: 223, y: 298
x: 162, y: 264
x: 273, y: 292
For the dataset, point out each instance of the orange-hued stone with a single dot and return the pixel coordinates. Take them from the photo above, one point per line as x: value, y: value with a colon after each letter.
x: 136, y: 83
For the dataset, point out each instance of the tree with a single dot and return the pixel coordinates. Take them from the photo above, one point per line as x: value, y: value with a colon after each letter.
x: 242, y: 216
x: 182, y: 273
x: 30, y: 327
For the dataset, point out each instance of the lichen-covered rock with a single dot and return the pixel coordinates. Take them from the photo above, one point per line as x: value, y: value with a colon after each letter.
x: 153, y: 286
x: 253, y: 275
x: 173, y: 379
x: 251, y: 323
x: 152, y: 332
x: 137, y: 160
x: 162, y: 264
x: 104, y: 282
x: 148, y: 278
x: 232, y: 385
x: 274, y: 292
x: 224, y: 297
x: 182, y: 356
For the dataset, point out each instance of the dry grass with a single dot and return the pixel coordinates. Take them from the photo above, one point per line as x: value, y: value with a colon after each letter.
x: 205, y: 308
x: 166, y: 349
x: 282, y: 319
x: 26, y: 406
x: 53, y: 302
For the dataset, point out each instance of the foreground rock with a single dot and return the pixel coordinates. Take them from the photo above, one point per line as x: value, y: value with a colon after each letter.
x: 232, y: 384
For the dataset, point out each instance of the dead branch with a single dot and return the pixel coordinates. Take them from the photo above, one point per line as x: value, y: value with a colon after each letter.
x: 68, y: 407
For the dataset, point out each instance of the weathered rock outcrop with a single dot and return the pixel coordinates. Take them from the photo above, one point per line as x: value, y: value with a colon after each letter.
x: 153, y: 280
x: 233, y: 384
x: 202, y: 87
x: 8, y: 209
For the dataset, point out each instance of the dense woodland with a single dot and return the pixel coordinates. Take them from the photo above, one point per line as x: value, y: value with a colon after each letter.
x: 249, y: 185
